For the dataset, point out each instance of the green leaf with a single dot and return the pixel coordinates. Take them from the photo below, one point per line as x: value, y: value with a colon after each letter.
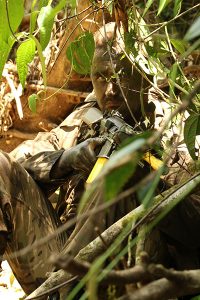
x: 148, y: 5
x: 43, y: 3
x: 177, y: 7
x: 33, y: 20
x: 191, y: 130
x: 25, y: 54
x: 32, y: 102
x: 10, y: 17
x: 15, y: 13
x: 193, y: 31
x: 162, y: 5
x: 4, y: 52
x: 80, y: 53
x: 178, y: 45
x: 45, y: 23
x: 173, y: 75
x: 121, y: 167
x: 46, y: 20
x: 116, y: 180
x: 4, y: 26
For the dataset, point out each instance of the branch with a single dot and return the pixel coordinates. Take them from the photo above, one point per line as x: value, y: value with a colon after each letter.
x: 97, y: 247
x: 176, y: 284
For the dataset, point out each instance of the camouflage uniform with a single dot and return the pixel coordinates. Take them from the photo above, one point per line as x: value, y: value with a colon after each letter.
x: 26, y: 214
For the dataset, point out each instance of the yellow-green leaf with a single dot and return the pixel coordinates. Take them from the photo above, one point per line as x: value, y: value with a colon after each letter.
x: 25, y: 54
x: 32, y: 102
x: 162, y: 5
x: 179, y: 45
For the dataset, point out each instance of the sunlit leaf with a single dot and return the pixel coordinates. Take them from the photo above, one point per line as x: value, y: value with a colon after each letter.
x: 15, y: 13
x: 191, y: 130
x: 45, y: 23
x: 4, y: 52
x: 11, y: 17
x: 32, y: 102
x: 25, y: 54
x: 194, y: 30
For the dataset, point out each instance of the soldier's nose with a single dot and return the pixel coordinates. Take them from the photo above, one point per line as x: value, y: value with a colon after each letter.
x: 111, y: 89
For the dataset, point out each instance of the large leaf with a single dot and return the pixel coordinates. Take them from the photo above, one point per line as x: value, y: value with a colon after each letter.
x: 4, y: 26
x: 11, y: 17
x: 15, y: 13
x: 4, y: 52
x: 80, y: 53
x: 45, y: 24
x: 194, y: 30
x: 191, y: 130
x: 25, y: 54
x: 46, y: 20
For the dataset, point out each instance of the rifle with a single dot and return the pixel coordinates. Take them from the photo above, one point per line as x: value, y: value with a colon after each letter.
x: 116, y: 130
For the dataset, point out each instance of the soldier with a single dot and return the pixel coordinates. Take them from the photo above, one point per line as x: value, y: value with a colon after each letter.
x: 117, y: 85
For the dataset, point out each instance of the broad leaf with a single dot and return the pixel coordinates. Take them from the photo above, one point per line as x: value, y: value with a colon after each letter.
x: 80, y: 53
x: 191, y: 130
x: 15, y: 13
x: 194, y: 30
x: 4, y: 26
x: 45, y: 24
x: 32, y: 102
x: 46, y: 20
x: 11, y: 17
x: 4, y: 52
x: 25, y: 55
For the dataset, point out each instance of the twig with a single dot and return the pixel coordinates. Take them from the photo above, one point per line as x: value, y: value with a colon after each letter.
x: 96, y: 247
x: 16, y: 93
x: 183, y: 283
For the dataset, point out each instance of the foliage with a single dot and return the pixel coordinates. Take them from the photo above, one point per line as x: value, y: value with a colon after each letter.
x: 158, y: 48
x: 12, y: 13
x: 80, y: 53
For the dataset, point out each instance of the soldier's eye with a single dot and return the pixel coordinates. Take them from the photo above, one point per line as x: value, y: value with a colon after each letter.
x: 101, y: 79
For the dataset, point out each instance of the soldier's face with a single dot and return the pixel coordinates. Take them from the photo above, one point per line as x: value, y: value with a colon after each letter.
x: 107, y: 90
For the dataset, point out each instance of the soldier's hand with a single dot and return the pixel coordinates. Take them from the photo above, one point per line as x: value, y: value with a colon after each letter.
x: 81, y: 157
